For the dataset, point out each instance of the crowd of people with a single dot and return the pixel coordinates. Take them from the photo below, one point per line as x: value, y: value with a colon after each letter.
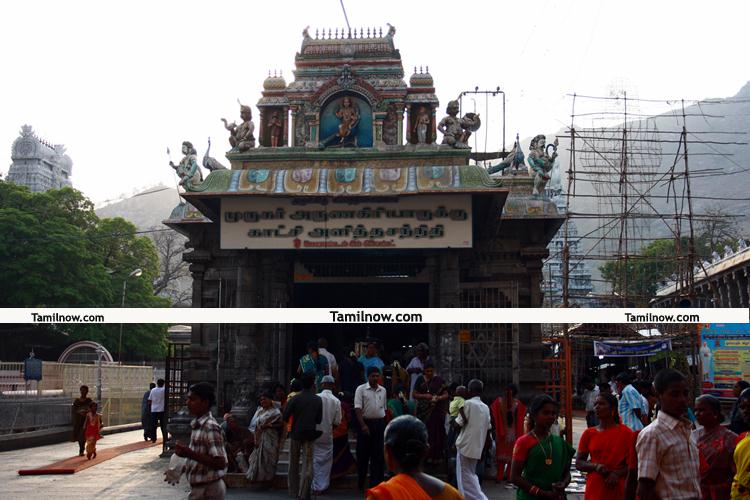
x: 644, y: 439
x: 330, y: 401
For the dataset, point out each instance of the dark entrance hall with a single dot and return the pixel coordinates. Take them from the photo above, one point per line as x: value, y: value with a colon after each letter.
x: 395, y: 339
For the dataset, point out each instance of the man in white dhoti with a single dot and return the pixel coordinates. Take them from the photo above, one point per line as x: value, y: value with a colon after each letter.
x: 323, y: 446
x: 472, y: 442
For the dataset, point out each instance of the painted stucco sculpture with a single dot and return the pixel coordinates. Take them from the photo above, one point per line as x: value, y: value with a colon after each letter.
x: 188, y: 170
x: 421, y: 125
x: 456, y: 132
x: 541, y: 163
x: 348, y: 114
x: 241, y: 136
x: 210, y: 163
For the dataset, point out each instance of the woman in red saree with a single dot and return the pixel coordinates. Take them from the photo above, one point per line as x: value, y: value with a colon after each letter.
x: 716, y: 447
x: 92, y: 430
x: 605, y: 452
x: 507, y: 418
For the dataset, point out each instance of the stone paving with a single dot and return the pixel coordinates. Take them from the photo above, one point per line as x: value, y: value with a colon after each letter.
x: 137, y: 474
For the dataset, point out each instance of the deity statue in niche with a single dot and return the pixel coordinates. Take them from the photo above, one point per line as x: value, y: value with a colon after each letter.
x: 390, y: 126
x: 241, y: 136
x: 275, y: 129
x: 348, y: 114
x: 421, y: 125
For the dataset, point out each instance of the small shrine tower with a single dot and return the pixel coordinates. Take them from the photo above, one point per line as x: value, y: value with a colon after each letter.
x: 350, y: 199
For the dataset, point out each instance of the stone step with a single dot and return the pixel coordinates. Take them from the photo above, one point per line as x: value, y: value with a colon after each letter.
x: 282, y: 466
x: 235, y: 480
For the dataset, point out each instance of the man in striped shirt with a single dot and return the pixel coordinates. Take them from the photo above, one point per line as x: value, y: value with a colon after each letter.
x: 631, y: 403
x: 206, y: 459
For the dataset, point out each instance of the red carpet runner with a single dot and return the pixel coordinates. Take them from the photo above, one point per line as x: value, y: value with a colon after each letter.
x: 76, y: 464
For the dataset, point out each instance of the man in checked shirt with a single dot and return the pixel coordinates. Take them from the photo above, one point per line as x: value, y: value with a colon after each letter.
x: 668, y: 461
x: 206, y: 459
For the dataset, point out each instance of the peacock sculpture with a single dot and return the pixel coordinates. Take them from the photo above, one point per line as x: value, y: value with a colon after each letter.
x: 209, y: 163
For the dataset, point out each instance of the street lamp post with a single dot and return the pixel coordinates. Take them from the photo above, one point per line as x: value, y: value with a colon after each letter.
x: 99, y: 354
x: 134, y: 274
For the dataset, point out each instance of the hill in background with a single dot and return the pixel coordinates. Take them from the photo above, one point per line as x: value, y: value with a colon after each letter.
x: 718, y: 172
x: 146, y: 209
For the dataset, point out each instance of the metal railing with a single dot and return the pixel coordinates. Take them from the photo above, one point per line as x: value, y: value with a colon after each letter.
x: 46, y: 403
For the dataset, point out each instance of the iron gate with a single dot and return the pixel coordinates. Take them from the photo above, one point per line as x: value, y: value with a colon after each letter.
x: 489, y: 351
x: 176, y: 383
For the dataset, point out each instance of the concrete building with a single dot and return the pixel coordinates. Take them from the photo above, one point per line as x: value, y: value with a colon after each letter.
x: 37, y: 164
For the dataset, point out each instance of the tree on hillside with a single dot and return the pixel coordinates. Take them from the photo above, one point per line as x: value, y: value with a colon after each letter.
x: 172, y: 281
x: 718, y: 228
x: 657, y: 261
x: 642, y: 272
x: 55, y: 252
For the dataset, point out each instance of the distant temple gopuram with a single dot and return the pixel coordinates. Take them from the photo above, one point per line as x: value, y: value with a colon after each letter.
x: 345, y: 195
x: 37, y: 164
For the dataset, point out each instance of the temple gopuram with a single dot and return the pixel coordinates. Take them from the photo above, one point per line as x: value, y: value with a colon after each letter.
x: 345, y: 195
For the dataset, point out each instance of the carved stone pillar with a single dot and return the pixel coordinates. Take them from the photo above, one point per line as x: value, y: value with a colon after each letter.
x: 197, y: 366
x: 721, y: 300
x: 285, y: 132
x: 244, y: 337
x: 378, y: 118
x: 447, y: 294
x: 433, y: 126
x: 533, y: 259
x: 400, y: 136
x: 733, y: 283
x: 313, y: 132
x: 298, y: 127
x: 727, y: 278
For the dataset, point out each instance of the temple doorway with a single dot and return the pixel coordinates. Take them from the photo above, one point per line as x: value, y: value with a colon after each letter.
x: 395, y: 339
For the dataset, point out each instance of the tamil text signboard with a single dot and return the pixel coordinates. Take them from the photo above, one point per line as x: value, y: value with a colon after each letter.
x: 330, y: 223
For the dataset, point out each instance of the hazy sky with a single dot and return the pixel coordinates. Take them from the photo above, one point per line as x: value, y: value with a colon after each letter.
x: 119, y: 82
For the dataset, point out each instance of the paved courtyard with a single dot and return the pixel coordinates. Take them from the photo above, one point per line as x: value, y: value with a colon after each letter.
x: 137, y: 474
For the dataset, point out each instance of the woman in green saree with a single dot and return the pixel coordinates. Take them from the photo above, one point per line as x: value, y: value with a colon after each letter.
x: 541, y: 460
